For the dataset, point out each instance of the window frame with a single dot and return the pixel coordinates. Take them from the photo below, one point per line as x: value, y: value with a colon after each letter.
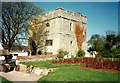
x: 49, y: 42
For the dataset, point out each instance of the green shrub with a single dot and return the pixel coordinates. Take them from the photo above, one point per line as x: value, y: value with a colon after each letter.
x: 109, y: 54
x: 80, y: 53
x: 61, y: 53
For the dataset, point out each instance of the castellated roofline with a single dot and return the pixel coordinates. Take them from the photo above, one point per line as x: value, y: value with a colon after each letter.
x: 78, y: 12
x: 55, y: 18
x: 59, y: 8
x: 61, y: 13
x: 83, y: 16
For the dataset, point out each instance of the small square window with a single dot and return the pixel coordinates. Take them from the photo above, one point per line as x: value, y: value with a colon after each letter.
x: 49, y: 42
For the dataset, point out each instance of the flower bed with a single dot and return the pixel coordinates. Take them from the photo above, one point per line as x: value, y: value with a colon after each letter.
x: 97, y: 63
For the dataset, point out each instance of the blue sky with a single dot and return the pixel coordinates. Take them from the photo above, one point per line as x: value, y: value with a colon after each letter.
x: 101, y: 16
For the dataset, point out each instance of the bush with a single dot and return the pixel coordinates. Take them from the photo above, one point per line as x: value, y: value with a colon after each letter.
x: 61, y: 53
x: 109, y: 54
x: 80, y: 53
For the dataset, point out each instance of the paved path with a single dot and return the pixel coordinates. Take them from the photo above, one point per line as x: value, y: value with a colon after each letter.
x: 15, y: 76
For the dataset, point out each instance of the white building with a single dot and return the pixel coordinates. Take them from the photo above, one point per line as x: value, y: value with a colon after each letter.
x: 67, y: 31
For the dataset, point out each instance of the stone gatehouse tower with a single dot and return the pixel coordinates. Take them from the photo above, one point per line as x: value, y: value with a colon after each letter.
x: 67, y: 31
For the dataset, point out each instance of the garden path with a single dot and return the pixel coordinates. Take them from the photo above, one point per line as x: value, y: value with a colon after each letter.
x: 16, y: 76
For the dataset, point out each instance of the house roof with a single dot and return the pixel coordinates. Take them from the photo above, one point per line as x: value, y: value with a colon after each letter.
x: 19, y: 48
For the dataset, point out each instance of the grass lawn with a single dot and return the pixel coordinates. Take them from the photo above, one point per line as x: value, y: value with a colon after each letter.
x: 71, y: 72
x: 48, y: 65
x: 3, y: 80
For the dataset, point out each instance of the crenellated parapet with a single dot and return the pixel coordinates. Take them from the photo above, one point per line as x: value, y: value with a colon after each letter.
x: 65, y: 14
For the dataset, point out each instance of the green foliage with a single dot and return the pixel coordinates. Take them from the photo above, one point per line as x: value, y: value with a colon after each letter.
x: 4, y: 80
x: 107, y: 46
x: 95, y: 43
x: 80, y: 53
x: 115, y: 53
x: 92, y: 40
x: 61, y: 53
x: 12, y: 63
x: 103, y: 54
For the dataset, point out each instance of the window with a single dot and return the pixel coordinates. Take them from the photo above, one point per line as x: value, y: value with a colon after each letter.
x: 47, y: 24
x: 49, y: 42
x: 70, y: 26
x: 71, y: 42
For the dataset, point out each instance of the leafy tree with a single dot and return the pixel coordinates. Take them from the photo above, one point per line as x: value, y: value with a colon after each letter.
x: 110, y: 40
x: 37, y: 35
x: 15, y: 20
x: 95, y: 43
x: 111, y: 44
x: 107, y: 46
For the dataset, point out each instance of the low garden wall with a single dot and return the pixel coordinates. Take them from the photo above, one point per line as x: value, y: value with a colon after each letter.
x: 34, y: 58
x: 97, y: 63
x: 32, y: 70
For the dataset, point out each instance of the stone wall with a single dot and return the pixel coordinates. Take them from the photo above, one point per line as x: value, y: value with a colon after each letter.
x: 34, y: 58
x: 33, y: 70
x: 75, y: 16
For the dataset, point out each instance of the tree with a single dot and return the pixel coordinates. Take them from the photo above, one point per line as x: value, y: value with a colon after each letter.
x: 15, y: 20
x: 111, y: 43
x: 95, y: 43
x: 110, y: 40
x: 106, y: 46
x: 37, y: 35
x: 32, y: 46
x: 98, y: 45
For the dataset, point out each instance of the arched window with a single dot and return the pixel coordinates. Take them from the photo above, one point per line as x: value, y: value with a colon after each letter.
x: 47, y: 24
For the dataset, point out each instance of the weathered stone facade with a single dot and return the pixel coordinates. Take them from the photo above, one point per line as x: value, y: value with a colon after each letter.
x: 67, y: 31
